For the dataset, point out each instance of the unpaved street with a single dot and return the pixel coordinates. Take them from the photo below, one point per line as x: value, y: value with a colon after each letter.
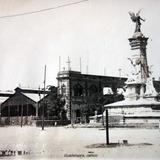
x: 67, y: 143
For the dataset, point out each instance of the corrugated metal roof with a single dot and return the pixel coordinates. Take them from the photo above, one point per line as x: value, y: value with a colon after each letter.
x: 34, y: 97
x: 2, y: 99
x: 7, y: 92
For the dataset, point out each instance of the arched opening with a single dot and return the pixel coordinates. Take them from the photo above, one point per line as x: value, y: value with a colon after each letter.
x: 78, y: 90
x: 63, y: 89
x: 107, y: 90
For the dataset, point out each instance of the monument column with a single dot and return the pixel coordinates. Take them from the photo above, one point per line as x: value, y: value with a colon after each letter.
x: 139, y: 60
x: 136, y: 84
x: 139, y: 42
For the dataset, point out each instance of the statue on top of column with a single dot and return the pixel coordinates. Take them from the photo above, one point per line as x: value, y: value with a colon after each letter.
x: 136, y: 19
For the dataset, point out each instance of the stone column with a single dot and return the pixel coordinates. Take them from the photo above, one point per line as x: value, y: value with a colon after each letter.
x: 139, y: 61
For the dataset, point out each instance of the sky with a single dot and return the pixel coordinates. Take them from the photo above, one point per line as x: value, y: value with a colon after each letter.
x: 96, y: 31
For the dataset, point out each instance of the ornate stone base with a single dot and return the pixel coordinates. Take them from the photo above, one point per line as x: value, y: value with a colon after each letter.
x: 138, y: 41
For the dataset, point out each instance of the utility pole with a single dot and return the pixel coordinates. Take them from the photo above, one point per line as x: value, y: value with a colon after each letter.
x: 43, y: 98
x: 70, y: 98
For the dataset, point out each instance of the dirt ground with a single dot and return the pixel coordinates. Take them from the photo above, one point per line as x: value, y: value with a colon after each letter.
x: 70, y: 143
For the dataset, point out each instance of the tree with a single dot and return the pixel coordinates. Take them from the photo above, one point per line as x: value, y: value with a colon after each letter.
x: 54, y: 103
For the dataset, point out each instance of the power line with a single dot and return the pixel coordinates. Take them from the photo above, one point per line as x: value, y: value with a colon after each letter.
x: 42, y: 10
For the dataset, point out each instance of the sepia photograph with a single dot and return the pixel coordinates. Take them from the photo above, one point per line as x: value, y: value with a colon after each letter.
x: 80, y: 79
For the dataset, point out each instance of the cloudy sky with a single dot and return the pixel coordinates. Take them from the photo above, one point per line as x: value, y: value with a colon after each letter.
x: 95, y: 30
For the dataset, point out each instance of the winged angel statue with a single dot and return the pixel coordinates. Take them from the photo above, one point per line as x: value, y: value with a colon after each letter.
x: 136, y: 19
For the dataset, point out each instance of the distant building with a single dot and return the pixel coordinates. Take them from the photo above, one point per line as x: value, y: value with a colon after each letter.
x: 21, y: 103
x: 84, y: 93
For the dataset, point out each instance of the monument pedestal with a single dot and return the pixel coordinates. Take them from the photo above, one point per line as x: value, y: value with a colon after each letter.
x: 136, y: 83
x: 140, y: 97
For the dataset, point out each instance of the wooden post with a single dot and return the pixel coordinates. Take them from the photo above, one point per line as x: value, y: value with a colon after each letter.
x: 22, y: 113
x: 27, y: 111
x: 9, y: 114
x: 0, y: 113
x: 18, y: 114
x: 70, y: 98
x: 37, y: 109
x: 42, y: 116
x: 102, y: 116
x: 107, y: 128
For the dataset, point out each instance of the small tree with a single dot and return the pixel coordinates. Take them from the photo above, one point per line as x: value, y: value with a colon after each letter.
x: 55, y: 105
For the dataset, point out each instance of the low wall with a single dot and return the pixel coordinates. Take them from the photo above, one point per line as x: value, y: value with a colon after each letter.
x: 25, y: 120
x: 30, y: 120
x: 52, y: 123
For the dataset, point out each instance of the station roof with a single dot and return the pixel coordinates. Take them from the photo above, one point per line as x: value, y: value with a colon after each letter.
x: 33, y: 96
x: 2, y: 99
